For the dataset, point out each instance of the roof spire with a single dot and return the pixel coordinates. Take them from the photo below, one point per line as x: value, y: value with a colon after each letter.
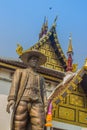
x: 44, y: 28
x: 70, y: 48
x: 70, y: 53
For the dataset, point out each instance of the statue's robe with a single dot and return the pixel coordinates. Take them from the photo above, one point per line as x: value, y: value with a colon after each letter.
x: 19, y: 82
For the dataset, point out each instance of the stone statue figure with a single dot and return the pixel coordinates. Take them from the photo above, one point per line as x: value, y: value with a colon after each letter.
x: 27, y: 95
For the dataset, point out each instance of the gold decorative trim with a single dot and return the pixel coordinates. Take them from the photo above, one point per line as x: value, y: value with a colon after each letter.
x: 85, y: 65
x: 8, y: 66
x: 51, y: 78
x: 75, y: 123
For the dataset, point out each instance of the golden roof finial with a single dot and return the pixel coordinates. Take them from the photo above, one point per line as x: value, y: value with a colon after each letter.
x: 74, y: 67
x: 85, y: 65
x: 19, y: 49
x: 70, y: 49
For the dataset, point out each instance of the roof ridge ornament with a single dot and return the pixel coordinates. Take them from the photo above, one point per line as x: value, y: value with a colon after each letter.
x: 44, y: 28
x: 54, y: 23
x: 19, y: 49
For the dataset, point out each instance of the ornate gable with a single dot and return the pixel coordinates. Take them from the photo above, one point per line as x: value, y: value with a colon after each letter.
x: 49, y: 45
x: 70, y: 99
x: 52, y: 60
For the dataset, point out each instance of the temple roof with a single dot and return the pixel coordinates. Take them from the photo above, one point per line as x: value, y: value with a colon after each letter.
x: 52, y: 37
x: 49, y: 45
x: 69, y: 83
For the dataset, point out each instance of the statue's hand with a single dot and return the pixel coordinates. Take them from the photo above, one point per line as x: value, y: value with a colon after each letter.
x: 11, y: 103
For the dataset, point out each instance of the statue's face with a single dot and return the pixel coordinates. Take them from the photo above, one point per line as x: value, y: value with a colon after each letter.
x: 33, y: 62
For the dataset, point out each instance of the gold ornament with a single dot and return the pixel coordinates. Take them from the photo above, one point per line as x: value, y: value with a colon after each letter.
x: 74, y: 67
x: 19, y: 49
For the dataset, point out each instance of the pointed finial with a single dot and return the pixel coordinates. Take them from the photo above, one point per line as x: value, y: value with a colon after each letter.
x: 55, y: 19
x: 44, y: 19
x: 85, y: 66
x: 46, y: 23
x: 69, y: 53
x: 44, y: 28
x: 70, y: 49
x: 54, y: 23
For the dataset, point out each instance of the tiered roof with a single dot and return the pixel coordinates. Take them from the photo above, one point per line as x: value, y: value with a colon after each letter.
x: 50, y: 46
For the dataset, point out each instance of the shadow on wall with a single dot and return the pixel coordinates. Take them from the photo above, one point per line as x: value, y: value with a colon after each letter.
x: 4, y: 116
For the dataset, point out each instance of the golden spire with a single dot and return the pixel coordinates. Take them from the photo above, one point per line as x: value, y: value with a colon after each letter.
x: 70, y: 49
x: 85, y: 66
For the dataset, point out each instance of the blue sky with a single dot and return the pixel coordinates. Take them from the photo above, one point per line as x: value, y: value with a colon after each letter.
x: 21, y: 21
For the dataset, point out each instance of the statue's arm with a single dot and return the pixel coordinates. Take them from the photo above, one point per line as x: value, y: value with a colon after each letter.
x: 14, y: 85
x: 13, y: 90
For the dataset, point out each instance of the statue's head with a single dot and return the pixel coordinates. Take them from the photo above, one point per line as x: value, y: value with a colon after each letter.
x: 33, y: 61
x: 33, y: 58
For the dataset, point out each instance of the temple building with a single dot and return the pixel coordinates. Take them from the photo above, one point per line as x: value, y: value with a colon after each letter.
x: 66, y: 86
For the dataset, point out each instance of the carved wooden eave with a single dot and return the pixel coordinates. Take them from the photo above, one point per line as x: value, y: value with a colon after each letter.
x: 62, y: 90
x: 13, y: 64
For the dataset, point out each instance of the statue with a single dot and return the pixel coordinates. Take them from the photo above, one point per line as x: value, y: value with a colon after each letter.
x: 27, y: 95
